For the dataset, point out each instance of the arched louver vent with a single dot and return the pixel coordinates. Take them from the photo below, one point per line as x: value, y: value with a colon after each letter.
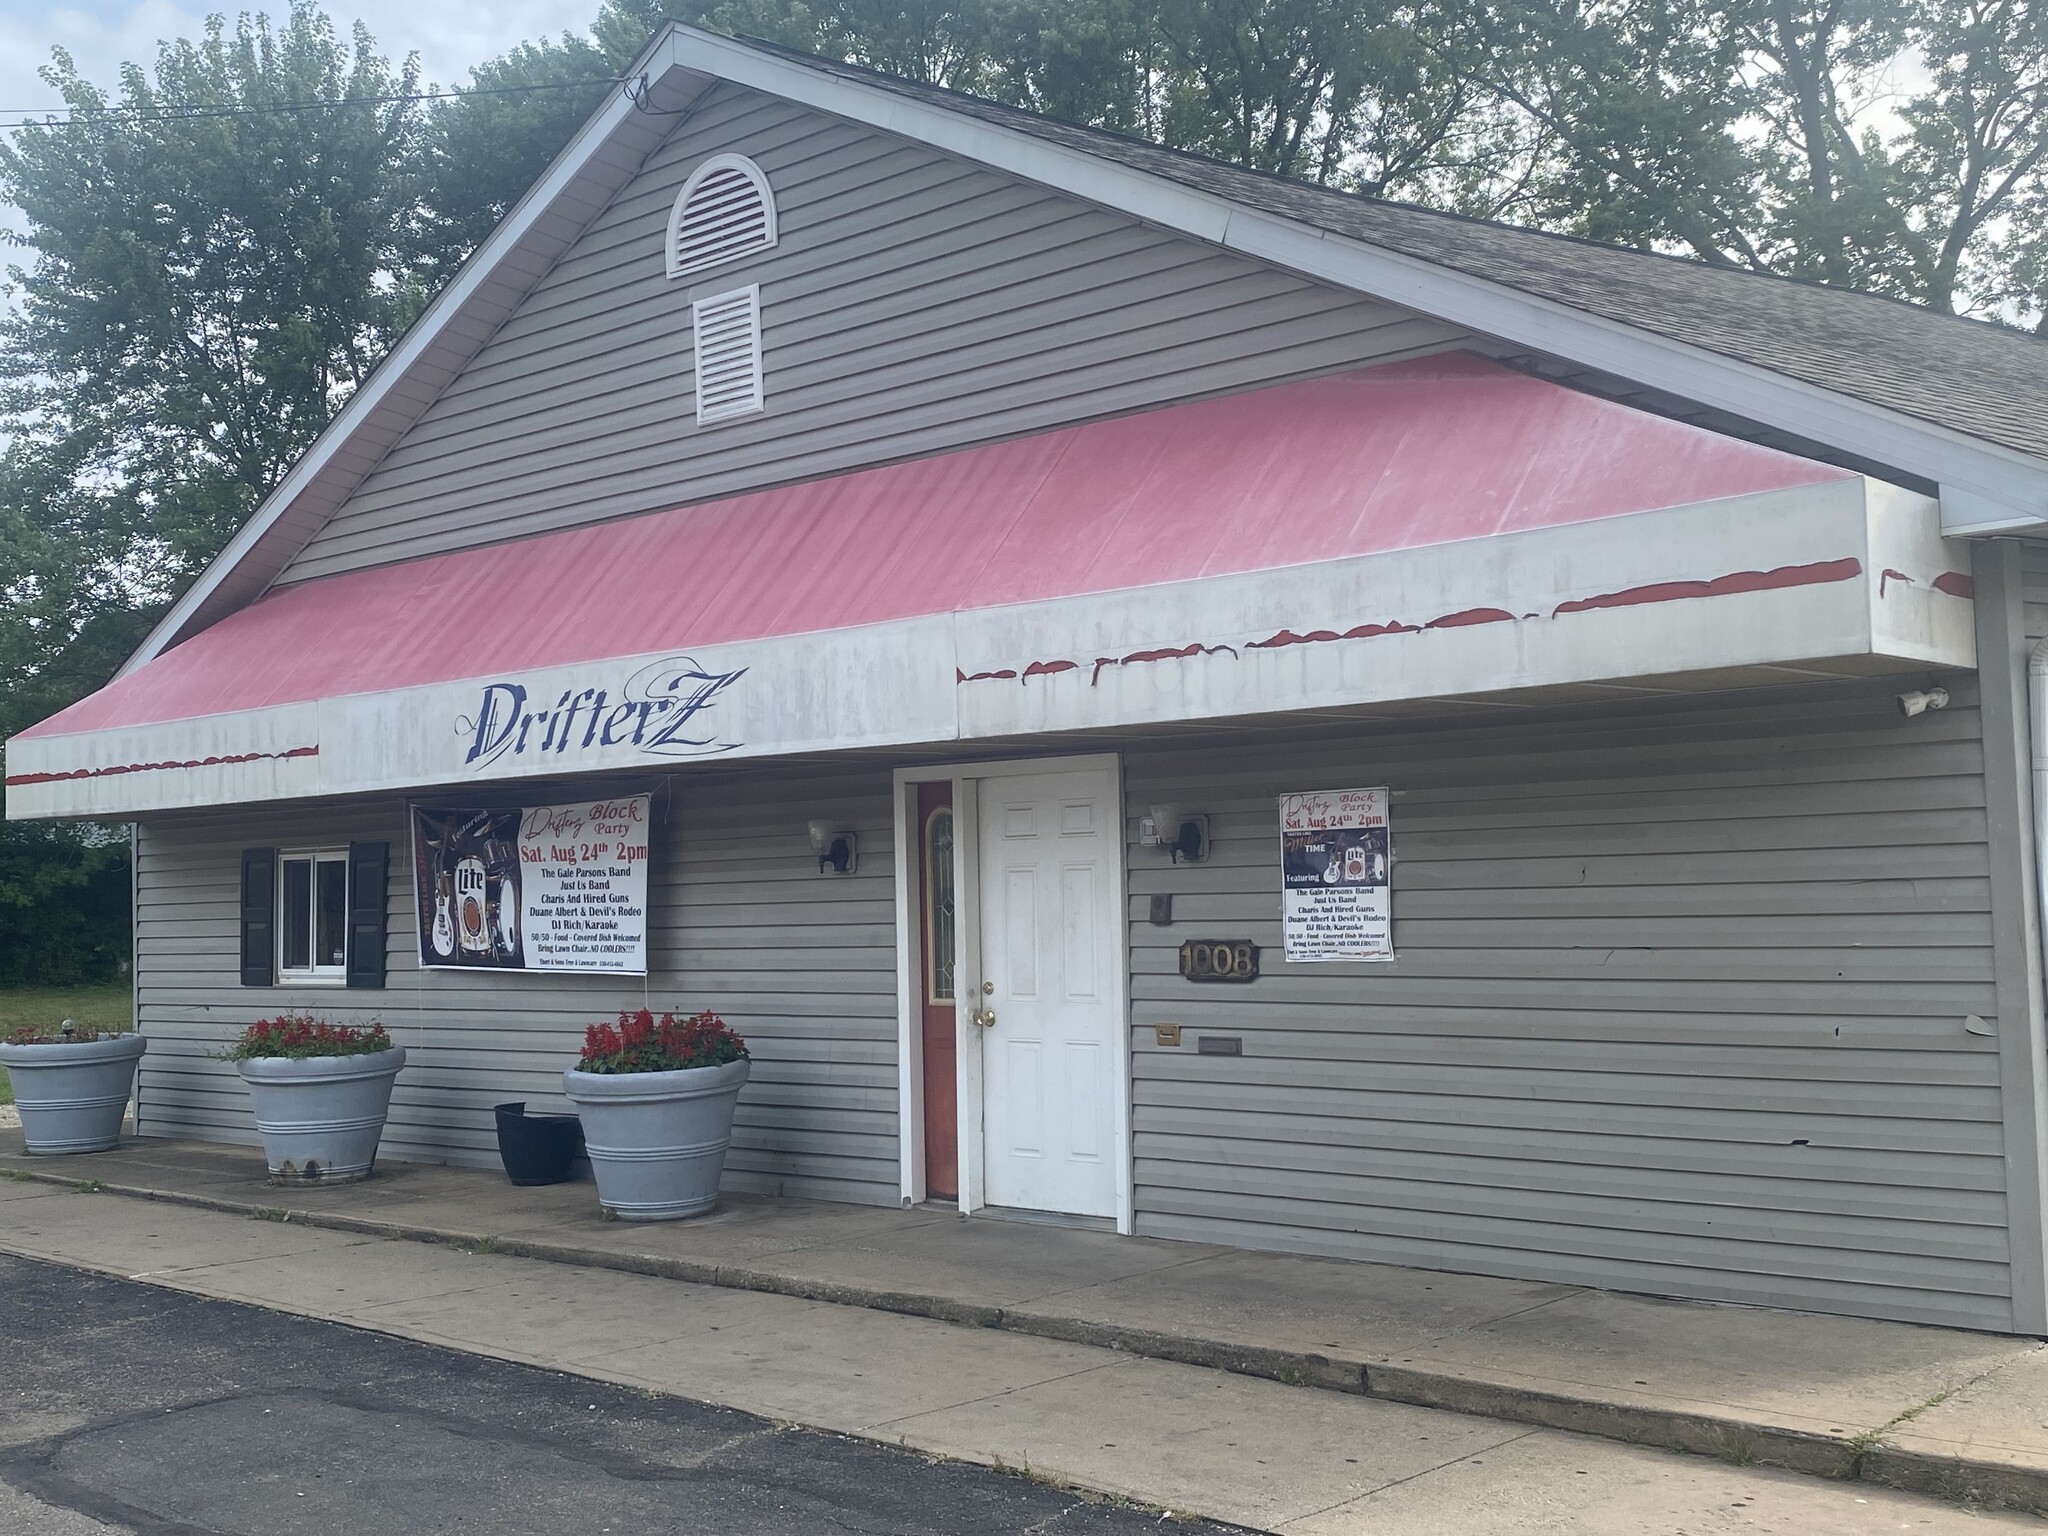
x: 728, y: 329
x: 724, y: 211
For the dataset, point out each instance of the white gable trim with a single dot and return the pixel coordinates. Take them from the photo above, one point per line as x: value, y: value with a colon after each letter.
x: 1999, y: 488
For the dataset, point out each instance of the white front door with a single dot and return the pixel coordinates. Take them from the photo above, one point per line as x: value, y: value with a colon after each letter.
x: 1052, y: 938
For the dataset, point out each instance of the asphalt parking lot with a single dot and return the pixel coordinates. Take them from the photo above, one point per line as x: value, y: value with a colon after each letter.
x: 128, y: 1408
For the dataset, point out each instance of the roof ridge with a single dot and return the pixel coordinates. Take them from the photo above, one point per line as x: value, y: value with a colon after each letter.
x: 1036, y: 122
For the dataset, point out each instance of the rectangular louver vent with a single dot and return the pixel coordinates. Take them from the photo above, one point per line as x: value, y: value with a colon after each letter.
x: 728, y: 329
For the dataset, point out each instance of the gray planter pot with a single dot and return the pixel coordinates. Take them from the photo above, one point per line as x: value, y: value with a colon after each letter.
x: 321, y: 1118
x: 72, y: 1096
x: 657, y: 1140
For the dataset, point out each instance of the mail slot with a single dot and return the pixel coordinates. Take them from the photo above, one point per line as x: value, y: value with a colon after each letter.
x: 1219, y: 960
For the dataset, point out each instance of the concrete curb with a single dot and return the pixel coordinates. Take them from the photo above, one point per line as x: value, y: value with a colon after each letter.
x: 2013, y: 1485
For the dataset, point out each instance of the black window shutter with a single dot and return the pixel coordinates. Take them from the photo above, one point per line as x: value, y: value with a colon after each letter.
x: 368, y: 870
x: 259, y: 916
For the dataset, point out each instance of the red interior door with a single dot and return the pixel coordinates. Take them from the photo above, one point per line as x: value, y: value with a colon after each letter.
x: 935, y: 964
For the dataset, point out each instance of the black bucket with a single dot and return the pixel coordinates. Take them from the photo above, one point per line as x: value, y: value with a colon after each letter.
x: 537, y: 1149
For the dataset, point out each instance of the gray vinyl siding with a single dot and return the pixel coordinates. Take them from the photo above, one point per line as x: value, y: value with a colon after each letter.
x: 1678, y: 1006
x: 915, y: 304
x: 2034, y: 579
x: 740, y: 921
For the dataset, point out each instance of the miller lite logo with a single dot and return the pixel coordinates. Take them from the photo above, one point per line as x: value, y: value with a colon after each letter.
x: 472, y: 918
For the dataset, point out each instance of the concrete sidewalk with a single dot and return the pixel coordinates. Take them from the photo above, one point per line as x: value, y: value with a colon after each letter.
x: 1176, y: 1438
x: 1952, y: 1413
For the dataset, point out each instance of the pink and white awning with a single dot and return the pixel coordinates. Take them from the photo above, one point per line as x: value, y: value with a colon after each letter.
x: 1422, y: 529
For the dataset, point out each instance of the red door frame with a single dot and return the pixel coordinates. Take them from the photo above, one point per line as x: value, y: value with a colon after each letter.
x: 938, y: 1016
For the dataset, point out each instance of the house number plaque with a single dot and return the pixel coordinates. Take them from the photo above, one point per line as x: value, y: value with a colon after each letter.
x: 1219, y: 960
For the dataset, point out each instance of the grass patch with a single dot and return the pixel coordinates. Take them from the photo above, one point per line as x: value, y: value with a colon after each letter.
x: 112, y: 1003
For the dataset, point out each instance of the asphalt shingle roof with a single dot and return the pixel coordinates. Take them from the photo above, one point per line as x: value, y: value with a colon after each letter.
x: 1984, y: 380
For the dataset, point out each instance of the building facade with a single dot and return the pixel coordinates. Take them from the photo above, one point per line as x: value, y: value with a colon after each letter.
x: 1153, y: 698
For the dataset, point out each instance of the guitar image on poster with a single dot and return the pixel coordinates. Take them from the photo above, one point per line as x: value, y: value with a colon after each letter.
x: 465, y: 874
x: 442, y: 934
x: 444, y: 923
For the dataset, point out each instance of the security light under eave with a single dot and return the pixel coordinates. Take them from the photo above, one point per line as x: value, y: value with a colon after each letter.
x: 1184, y: 835
x: 1918, y: 703
x: 835, y: 848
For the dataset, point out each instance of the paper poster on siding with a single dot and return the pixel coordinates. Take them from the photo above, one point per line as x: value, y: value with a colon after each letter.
x: 1335, y: 862
x: 540, y: 888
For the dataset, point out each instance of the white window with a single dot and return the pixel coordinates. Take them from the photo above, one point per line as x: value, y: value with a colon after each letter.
x: 728, y: 334
x: 724, y: 211
x: 312, y: 916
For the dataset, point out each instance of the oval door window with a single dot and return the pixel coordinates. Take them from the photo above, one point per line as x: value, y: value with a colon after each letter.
x: 938, y: 906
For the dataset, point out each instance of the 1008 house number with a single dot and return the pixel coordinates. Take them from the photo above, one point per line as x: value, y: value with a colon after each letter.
x: 1219, y: 960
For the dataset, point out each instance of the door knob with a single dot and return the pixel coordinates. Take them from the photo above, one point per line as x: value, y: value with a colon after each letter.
x: 985, y: 1017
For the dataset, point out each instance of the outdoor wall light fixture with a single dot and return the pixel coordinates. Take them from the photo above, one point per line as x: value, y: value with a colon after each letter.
x: 1911, y: 704
x: 1180, y: 832
x: 837, y: 854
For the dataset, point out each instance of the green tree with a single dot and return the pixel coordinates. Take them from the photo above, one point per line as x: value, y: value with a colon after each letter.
x: 1638, y: 110
x: 67, y: 619
x: 216, y: 256
x: 1971, y: 177
x: 1896, y: 146
x: 216, y: 265
x: 486, y: 146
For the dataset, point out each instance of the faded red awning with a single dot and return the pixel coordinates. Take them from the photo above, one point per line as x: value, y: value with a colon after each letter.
x: 1416, y: 453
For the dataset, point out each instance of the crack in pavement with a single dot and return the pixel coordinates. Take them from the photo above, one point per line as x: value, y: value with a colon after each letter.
x: 996, y: 1397
x: 1484, y: 1450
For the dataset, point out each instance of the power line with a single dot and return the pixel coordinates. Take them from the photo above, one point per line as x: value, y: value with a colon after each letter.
x: 184, y: 112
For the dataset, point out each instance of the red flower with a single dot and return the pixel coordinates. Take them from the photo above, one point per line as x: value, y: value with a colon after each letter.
x: 641, y: 1043
x: 299, y: 1035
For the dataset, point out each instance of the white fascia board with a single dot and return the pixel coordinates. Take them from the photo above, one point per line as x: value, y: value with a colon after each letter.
x: 394, y: 369
x: 1966, y: 513
x: 2013, y: 479
x: 1844, y: 569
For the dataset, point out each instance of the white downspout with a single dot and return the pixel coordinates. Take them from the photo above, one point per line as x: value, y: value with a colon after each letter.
x: 2037, y: 738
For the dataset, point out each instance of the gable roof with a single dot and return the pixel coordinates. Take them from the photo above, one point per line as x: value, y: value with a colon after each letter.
x: 1961, y: 406
x: 1978, y: 378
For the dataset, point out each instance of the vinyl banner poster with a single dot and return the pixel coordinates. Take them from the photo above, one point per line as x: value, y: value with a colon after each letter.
x: 543, y: 888
x: 1335, y: 859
